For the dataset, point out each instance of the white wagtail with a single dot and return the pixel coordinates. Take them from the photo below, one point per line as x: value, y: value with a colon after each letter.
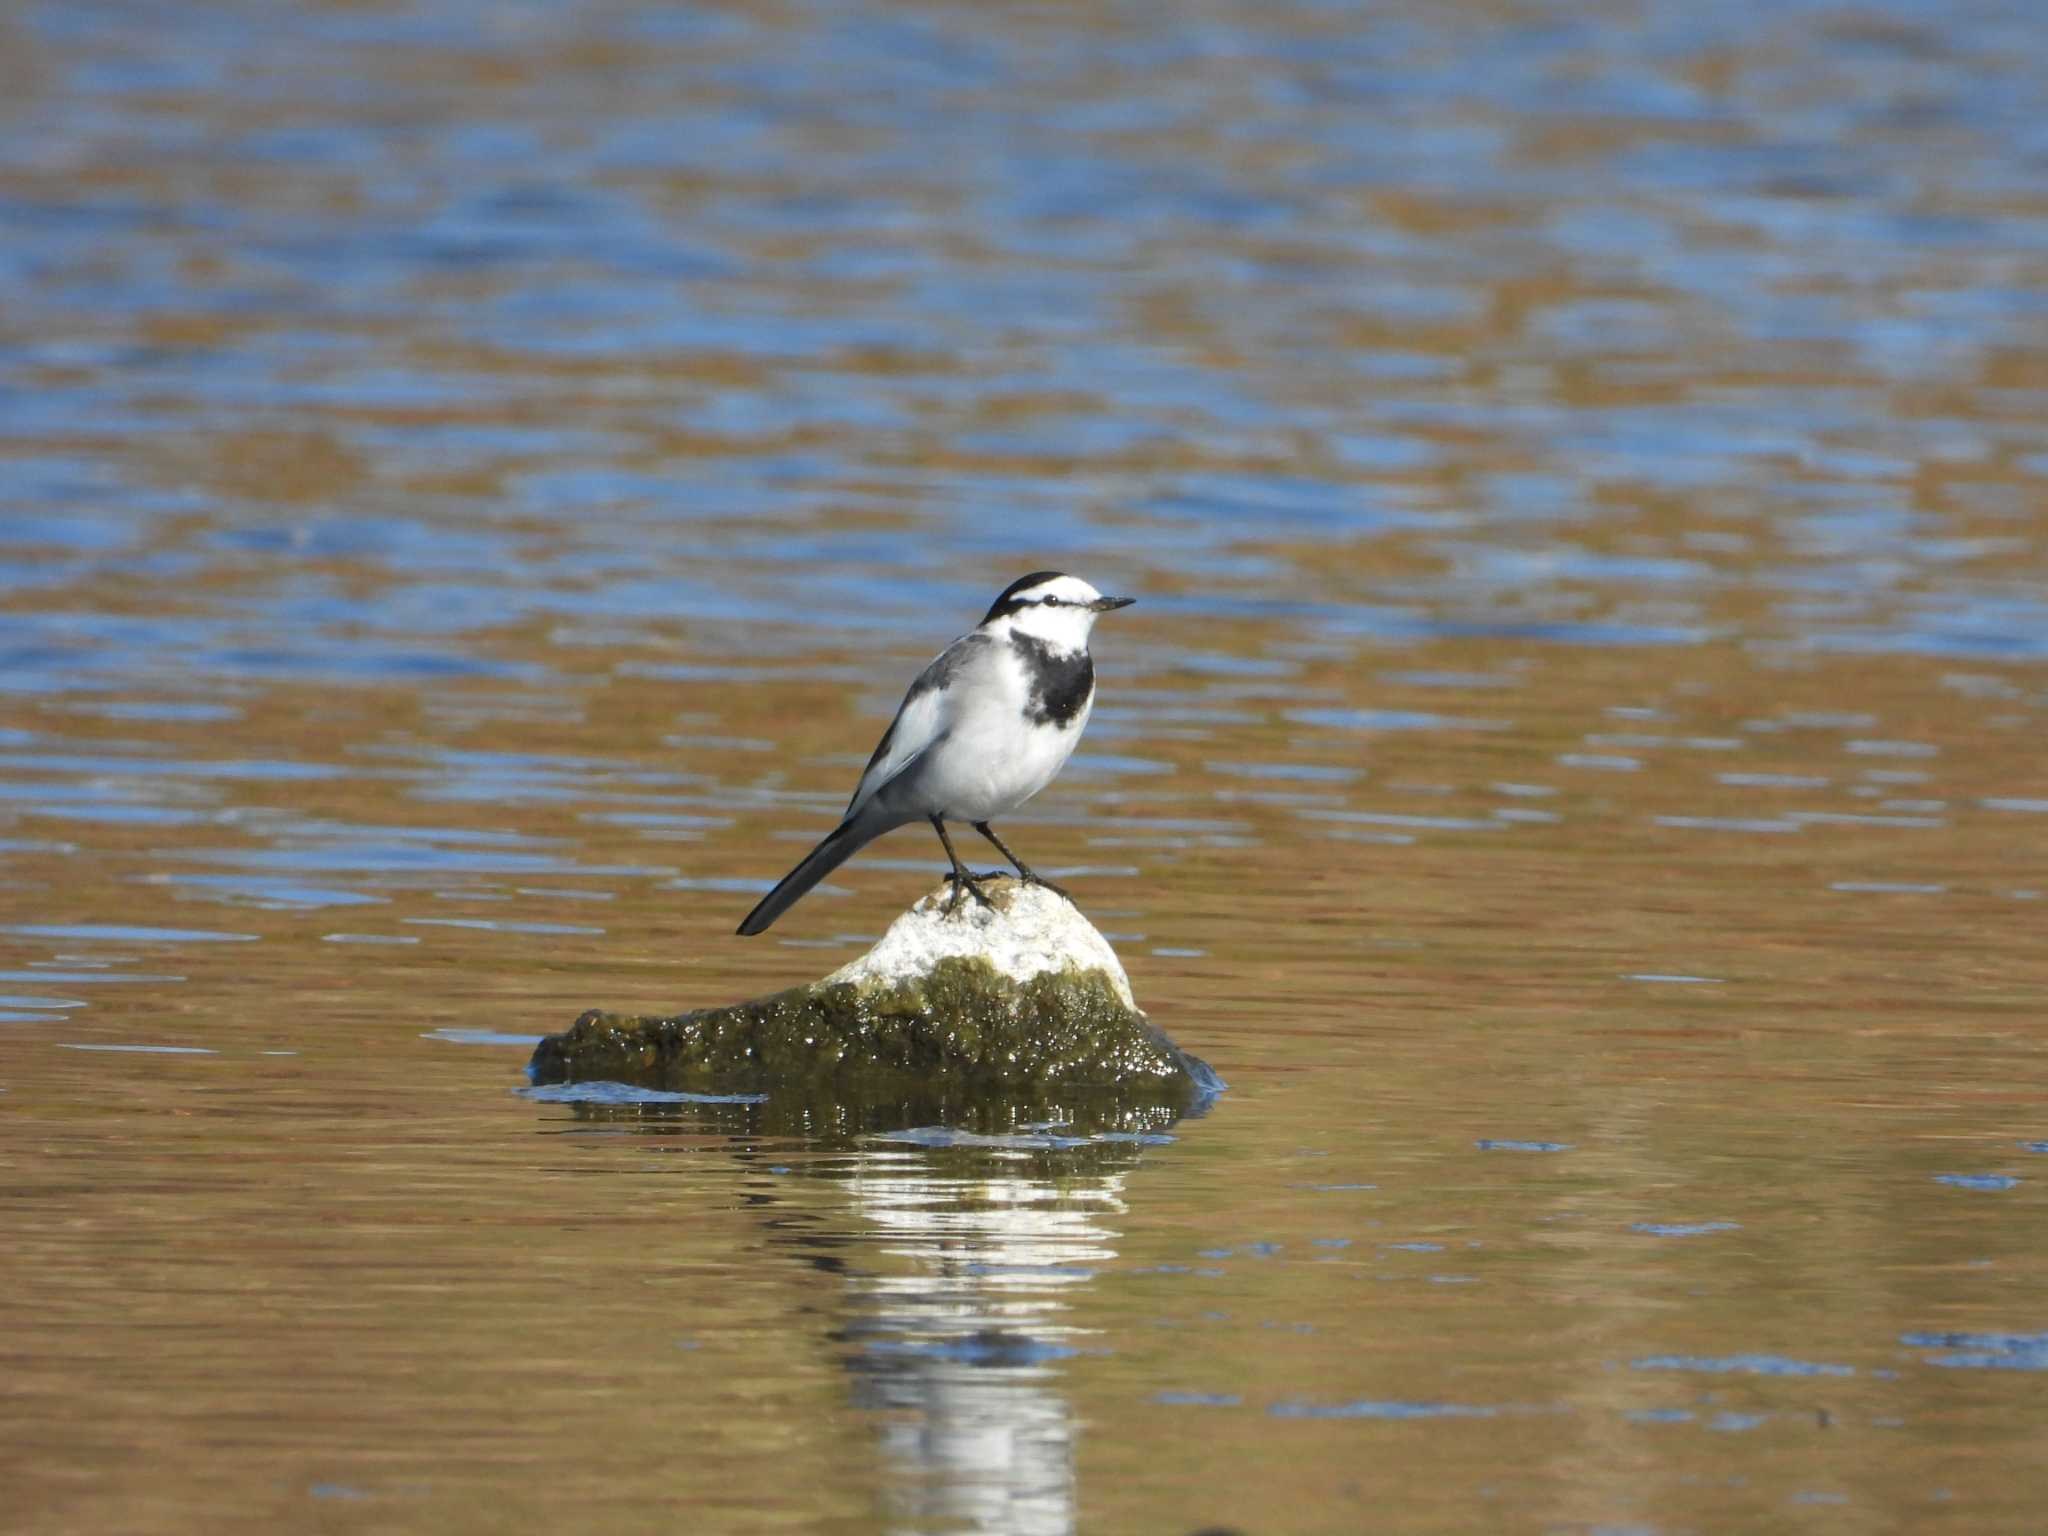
x: 984, y: 728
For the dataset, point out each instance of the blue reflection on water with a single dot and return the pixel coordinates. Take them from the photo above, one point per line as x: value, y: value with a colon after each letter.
x: 736, y: 243
x: 1983, y: 1351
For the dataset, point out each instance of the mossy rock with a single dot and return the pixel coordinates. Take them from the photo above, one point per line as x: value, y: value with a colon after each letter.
x: 977, y: 1022
x: 963, y: 1023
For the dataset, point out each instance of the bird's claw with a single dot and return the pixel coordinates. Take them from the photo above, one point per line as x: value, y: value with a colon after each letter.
x: 961, y: 881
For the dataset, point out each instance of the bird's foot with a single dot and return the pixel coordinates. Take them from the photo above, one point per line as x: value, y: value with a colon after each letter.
x: 964, y: 883
x: 1032, y: 877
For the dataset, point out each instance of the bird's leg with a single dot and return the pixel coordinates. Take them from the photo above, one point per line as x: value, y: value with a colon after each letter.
x: 961, y: 878
x: 1023, y: 869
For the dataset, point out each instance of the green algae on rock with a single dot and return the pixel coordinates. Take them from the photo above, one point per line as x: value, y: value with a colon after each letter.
x: 1020, y: 996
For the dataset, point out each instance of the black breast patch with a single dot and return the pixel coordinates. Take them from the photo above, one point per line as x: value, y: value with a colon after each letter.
x: 1061, y: 681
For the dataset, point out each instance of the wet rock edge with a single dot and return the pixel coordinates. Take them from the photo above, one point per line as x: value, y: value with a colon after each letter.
x: 962, y: 1026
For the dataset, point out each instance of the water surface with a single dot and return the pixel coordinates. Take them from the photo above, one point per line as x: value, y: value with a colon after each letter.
x: 475, y: 479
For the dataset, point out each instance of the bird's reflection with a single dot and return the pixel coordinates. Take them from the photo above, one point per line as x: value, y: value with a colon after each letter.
x: 957, y: 1346
x: 961, y: 1275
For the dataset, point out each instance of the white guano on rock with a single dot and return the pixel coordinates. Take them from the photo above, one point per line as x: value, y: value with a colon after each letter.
x: 1027, y: 931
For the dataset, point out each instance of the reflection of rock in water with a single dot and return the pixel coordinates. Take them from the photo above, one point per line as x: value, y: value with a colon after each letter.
x: 959, y: 1294
x: 959, y: 1352
x: 1082, y: 1126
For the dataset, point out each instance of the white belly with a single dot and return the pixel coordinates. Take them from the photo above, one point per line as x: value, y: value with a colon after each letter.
x: 992, y: 762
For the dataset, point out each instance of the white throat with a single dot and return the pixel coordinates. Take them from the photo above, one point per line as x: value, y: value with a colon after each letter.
x: 1061, y: 629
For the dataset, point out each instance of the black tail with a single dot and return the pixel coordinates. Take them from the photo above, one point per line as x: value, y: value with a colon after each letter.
x: 840, y: 844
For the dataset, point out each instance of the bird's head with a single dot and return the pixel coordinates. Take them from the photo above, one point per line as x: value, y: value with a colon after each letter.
x: 1060, y: 610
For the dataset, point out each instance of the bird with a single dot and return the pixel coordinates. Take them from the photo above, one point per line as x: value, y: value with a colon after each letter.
x: 987, y: 725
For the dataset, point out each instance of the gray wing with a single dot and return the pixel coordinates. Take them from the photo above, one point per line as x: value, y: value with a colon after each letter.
x: 921, y: 719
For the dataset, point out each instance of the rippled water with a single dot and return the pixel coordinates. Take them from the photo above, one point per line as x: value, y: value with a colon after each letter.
x: 474, y: 480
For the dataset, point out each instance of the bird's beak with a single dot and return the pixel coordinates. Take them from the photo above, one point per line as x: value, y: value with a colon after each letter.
x: 1104, y: 604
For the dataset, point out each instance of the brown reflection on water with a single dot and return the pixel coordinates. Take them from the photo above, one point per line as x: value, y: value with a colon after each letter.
x: 1763, y: 969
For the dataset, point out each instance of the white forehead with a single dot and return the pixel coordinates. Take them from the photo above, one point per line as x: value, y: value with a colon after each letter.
x: 1071, y: 589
